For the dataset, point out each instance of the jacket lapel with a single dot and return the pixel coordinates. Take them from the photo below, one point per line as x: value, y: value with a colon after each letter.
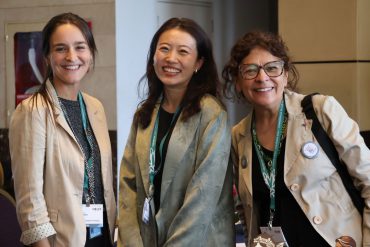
x: 95, y: 120
x: 182, y: 137
x: 296, y: 137
x: 245, y: 148
x: 59, y: 115
x: 98, y: 126
x: 143, y: 147
x: 298, y: 130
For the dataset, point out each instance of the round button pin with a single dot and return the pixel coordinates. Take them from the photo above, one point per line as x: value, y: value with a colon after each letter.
x: 244, y: 162
x: 310, y: 150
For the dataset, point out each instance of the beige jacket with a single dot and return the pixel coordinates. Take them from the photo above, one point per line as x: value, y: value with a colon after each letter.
x: 196, y: 194
x: 314, y: 183
x: 48, y: 170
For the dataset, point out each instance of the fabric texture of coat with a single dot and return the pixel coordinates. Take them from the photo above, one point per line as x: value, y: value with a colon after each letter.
x: 48, y: 169
x: 314, y: 183
x: 196, y: 194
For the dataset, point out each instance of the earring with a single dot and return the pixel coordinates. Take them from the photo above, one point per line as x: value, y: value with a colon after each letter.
x: 196, y: 70
x: 238, y: 95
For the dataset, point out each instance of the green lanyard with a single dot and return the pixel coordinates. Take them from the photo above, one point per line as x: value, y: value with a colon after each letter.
x: 153, y: 144
x: 269, y: 177
x: 89, y: 140
x: 89, y: 187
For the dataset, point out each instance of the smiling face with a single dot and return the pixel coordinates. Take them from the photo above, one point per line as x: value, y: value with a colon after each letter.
x: 262, y: 91
x: 176, y: 59
x: 70, y: 57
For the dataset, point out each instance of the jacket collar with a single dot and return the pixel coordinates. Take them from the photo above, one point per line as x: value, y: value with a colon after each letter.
x: 291, y: 99
x: 181, y: 137
x: 60, y: 118
x: 57, y: 110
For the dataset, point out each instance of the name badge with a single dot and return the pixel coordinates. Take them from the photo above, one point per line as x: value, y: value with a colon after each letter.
x: 263, y: 240
x: 115, y: 238
x: 276, y: 234
x: 146, y: 211
x: 93, y: 215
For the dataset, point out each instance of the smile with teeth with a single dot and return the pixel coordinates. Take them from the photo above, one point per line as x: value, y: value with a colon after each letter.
x: 264, y: 89
x: 71, y: 67
x: 171, y: 70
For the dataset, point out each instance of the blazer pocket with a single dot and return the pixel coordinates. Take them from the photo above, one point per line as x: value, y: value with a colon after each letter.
x: 335, y: 192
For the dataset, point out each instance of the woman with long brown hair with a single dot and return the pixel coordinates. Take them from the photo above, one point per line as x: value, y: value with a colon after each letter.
x: 175, y: 181
x: 60, y: 148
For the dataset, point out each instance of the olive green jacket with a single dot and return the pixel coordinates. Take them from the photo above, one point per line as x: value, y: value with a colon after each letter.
x: 196, y: 194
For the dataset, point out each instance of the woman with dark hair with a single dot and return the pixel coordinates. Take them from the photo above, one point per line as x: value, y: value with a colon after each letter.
x: 60, y: 148
x: 289, y: 189
x: 175, y: 181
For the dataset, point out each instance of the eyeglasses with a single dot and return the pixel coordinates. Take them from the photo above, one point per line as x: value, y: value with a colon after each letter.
x: 272, y: 69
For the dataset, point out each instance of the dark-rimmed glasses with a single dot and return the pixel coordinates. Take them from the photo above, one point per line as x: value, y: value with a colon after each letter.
x: 272, y: 69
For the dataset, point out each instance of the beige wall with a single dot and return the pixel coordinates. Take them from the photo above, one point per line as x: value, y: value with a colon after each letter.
x: 319, y: 30
x: 331, y: 79
x: 363, y: 53
x: 102, y: 82
x: 331, y: 30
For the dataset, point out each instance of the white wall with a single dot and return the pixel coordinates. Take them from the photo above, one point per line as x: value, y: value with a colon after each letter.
x: 135, y: 25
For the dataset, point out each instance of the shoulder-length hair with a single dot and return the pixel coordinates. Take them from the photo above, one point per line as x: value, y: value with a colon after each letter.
x: 270, y: 42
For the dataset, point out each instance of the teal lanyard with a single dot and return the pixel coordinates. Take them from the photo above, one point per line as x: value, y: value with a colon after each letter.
x: 153, y: 144
x: 89, y: 187
x: 89, y: 140
x: 269, y: 177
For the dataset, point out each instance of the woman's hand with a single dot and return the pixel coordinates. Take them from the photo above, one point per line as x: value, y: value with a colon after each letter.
x: 42, y: 243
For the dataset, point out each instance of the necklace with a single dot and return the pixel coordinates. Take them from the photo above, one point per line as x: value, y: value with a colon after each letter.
x: 267, y: 158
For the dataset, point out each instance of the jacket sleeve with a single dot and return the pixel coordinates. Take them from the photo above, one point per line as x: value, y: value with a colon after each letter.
x: 352, y: 149
x: 128, y: 226
x: 204, y: 189
x: 27, y: 141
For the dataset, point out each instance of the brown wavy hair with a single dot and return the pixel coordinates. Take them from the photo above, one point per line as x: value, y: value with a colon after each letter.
x: 205, y: 81
x: 270, y: 42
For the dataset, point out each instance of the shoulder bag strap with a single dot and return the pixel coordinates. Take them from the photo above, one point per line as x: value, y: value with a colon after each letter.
x: 330, y: 150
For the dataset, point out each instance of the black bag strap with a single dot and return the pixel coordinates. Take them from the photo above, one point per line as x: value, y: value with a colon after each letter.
x: 330, y: 150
